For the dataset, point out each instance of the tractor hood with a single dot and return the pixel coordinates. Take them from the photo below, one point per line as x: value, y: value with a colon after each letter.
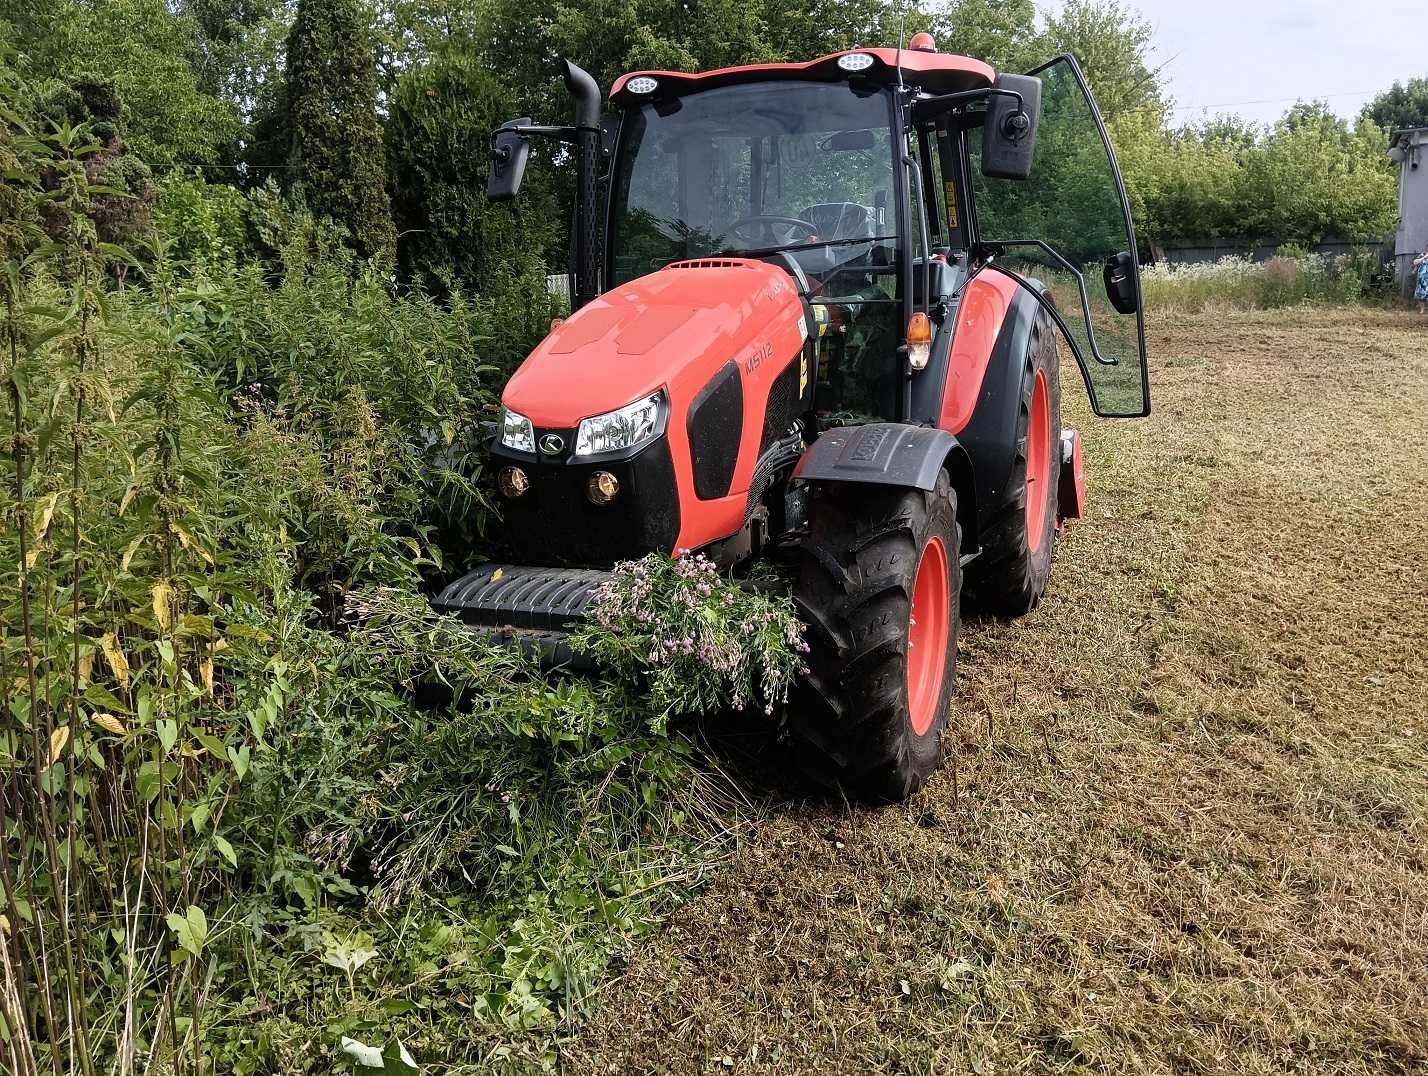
x: 671, y: 329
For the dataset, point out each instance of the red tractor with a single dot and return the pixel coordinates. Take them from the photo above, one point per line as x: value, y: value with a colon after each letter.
x: 815, y: 318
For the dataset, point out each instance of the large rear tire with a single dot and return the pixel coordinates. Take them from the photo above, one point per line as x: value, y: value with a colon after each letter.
x: 1010, y: 576
x: 878, y: 587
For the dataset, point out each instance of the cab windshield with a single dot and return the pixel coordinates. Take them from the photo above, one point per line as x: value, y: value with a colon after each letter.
x: 796, y: 166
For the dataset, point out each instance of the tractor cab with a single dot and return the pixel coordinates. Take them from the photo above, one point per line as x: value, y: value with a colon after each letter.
x: 815, y: 313
x: 882, y: 179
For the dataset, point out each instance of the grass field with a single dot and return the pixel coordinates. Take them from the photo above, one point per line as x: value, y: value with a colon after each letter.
x: 1183, y: 826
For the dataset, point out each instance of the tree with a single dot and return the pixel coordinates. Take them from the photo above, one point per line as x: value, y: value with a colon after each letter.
x: 332, y: 114
x: 1401, y: 105
x: 140, y: 46
x: 452, y: 238
x: 122, y: 193
x: 1112, y: 44
x: 1001, y: 32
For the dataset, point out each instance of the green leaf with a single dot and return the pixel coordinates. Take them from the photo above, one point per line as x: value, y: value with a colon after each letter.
x: 240, y: 758
x: 221, y: 843
x: 197, y: 924
x: 168, y: 734
x: 199, y: 817
x: 117, y: 253
x: 191, y: 929
x: 102, y: 698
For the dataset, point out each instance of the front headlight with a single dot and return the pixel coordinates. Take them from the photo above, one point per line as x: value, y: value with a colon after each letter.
x: 629, y: 427
x: 517, y: 432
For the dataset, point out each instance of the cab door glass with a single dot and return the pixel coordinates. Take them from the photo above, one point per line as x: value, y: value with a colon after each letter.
x: 1068, y: 226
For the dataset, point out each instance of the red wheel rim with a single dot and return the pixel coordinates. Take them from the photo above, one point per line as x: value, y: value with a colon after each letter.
x: 1038, y: 461
x: 927, y: 628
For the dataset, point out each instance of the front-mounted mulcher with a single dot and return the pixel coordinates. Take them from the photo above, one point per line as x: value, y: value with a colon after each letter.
x: 817, y: 310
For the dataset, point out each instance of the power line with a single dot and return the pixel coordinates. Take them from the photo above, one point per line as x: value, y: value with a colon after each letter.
x: 1276, y: 100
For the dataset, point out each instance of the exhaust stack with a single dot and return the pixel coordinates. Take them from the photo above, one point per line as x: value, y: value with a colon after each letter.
x: 586, y: 247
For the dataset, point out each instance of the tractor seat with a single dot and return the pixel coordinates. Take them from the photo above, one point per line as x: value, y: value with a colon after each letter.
x: 834, y: 221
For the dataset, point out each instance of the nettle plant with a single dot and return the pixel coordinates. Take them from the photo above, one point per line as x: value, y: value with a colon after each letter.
x: 134, y: 591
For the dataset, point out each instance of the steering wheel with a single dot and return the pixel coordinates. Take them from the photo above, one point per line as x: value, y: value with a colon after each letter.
x: 762, y: 230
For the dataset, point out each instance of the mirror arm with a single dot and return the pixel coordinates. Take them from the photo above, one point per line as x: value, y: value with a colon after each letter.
x: 971, y: 96
x: 560, y: 134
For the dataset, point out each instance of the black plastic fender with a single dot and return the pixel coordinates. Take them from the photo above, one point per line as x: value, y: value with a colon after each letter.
x: 894, y: 454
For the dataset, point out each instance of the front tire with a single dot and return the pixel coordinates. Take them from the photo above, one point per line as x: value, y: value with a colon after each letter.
x: 1011, y: 574
x: 879, y: 586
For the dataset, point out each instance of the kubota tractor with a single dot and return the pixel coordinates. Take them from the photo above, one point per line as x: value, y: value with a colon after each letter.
x: 816, y: 311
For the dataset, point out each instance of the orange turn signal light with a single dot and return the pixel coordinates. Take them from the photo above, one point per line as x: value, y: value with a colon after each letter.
x: 919, y: 340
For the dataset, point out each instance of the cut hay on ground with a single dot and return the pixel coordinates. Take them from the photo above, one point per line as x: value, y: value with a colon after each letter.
x: 1186, y: 827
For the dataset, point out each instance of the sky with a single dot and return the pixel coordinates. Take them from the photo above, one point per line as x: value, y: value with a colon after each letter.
x: 1255, y: 57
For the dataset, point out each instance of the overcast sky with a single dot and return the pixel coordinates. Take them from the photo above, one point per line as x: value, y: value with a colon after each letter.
x: 1222, y: 55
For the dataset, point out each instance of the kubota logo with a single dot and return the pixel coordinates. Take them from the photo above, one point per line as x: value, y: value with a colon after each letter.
x: 551, y: 444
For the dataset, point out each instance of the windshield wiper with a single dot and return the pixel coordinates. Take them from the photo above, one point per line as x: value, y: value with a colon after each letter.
x: 782, y: 248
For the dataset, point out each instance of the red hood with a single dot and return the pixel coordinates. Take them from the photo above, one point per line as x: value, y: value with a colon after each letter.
x: 673, y: 328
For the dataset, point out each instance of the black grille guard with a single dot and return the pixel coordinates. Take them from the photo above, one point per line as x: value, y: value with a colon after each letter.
x: 520, y: 596
x: 533, y: 607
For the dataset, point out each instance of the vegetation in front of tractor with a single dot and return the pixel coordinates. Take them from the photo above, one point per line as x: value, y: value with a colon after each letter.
x: 854, y: 718
x: 694, y: 640
x: 1010, y: 576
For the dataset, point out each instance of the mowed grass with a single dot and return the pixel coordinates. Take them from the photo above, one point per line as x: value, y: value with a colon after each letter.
x: 1182, y: 828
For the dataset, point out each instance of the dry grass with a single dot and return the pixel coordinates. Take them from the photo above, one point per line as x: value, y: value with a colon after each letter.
x: 1185, y: 832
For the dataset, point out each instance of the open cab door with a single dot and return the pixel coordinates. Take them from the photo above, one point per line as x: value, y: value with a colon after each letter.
x: 1067, y: 225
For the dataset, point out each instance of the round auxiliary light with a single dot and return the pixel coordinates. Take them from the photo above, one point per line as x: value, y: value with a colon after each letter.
x: 855, y: 61
x: 602, y: 487
x: 514, y: 482
x: 642, y: 84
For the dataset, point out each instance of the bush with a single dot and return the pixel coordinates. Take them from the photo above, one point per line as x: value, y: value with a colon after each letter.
x: 1243, y: 284
x: 230, y: 829
x: 204, y: 224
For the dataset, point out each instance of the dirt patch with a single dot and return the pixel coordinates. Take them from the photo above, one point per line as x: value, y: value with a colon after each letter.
x: 1184, y: 831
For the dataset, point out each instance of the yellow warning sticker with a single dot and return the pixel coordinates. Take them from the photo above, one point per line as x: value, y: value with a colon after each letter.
x: 803, y: 373
x: 949, y: 191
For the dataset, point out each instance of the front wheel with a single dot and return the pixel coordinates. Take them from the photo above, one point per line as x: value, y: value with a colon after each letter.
x: 879, y: 588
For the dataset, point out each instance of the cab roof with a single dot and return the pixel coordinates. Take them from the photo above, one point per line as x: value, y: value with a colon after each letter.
x: 932, y: 72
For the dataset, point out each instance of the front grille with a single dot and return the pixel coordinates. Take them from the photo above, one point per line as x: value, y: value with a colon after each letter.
x: 709, y: 263
x: 555, y: 524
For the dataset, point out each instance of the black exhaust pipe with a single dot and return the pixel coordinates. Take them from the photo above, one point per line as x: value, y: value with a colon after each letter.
x: 588, y: 148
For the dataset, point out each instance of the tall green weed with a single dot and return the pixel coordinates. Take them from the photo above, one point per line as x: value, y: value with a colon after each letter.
x: 255, y: 797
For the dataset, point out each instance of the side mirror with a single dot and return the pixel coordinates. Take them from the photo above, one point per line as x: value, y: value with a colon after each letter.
x: 1009, y: 135
x: 1120, y: 281
x: 510, y: 150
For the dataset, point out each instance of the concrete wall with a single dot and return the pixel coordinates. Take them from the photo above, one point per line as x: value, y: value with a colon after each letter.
x: 1211, y: 250
x: 1412, y: 203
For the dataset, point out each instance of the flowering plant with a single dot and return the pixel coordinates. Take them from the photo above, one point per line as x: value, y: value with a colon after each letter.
x: 700, y: 640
